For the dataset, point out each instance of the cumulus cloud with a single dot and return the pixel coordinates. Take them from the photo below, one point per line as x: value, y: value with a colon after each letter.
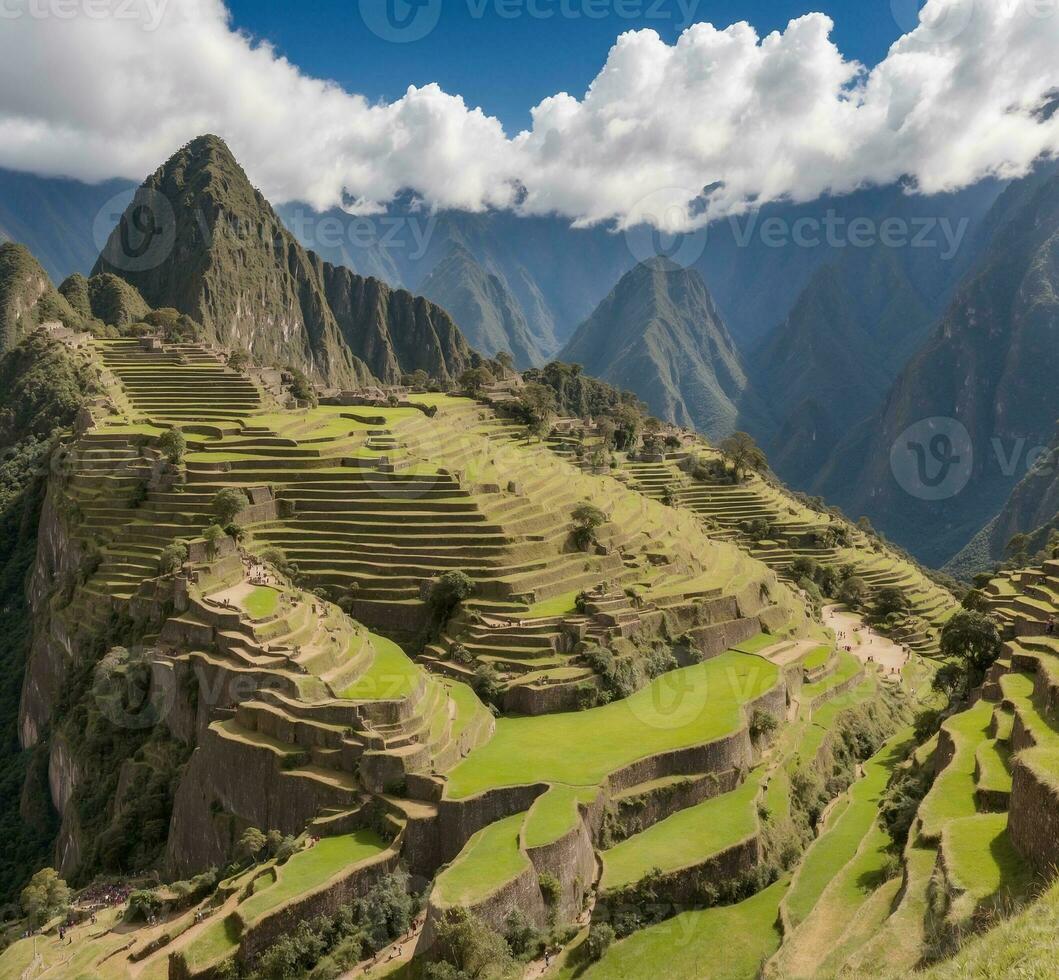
x: 675, y: 134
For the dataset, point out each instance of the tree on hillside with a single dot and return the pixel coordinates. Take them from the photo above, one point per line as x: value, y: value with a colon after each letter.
x: 227, y: 504
x: 976, y: 601
x: 973, y: 639
x: 588, y: 519
x: 745, y: 455
x: 537, y: 408
x: 213, y: 536
x: 1017, y: 549
x: 853, y: 591
x: 627, y: 425
x: 473, y: 380
x: 469, y: 948
x: 890, y: 601
x: 172, y: 558
x: 239, y: 360
x: 448, y: 591
x: 172, y: 445
x: 45, y: 897
x: 250, y: 845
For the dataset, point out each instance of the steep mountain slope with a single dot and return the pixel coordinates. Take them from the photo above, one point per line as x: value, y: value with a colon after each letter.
x: 199, y: 238
x: 831, y: 362
x: 391, y: 330
x: 1032, y: 508
x: 990, y: 368
x: 27, y: 296
x: 489, y: 316
x: 659, y: 335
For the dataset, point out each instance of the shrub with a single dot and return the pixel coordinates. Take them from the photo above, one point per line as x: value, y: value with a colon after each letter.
x: 487, y: 684
x: 173, y: 445
x: 599, y: 940
x: 239, y: 360
x: 551, y: 888
x: 301, y: 387
x: 762, y: 724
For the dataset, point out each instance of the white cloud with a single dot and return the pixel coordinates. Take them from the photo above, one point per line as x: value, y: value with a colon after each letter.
x: 765, y: 118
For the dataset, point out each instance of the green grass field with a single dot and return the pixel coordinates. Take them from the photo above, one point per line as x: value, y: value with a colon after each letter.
x: 837, y: 845
x: 725, y: 943
x: 980, y: 857
x: 491, y: 858
x: 554, y: 813
x: 261, y: 603
x: 686, y: 707
x: 686, y: 838
x: 308, y: 869
x: 391, y: 675
x: 952, y: 795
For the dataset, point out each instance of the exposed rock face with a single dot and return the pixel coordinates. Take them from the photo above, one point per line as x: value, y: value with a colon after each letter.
x: 392, y: 331
x: 213, y: 248
x: 489, y: 316
x: 659, y: 335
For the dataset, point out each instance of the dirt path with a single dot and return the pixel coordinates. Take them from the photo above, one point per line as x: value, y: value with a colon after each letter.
x: 865, y: 643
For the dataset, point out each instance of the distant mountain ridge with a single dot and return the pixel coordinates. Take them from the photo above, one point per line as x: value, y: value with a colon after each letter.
x: 659, y: 335
x: 481, y: 303
x: 990, y: 366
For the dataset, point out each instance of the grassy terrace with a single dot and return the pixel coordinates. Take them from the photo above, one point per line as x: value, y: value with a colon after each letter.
x: 980, y: 859
x: 952, y: 795
x: 848, y: 667
x: 687, y: 707
x: 554, y: 813
x: 311, y: 868
x: 838, y: 844
x: 725, y: 943
x: 491, y: 858
x: 391, y: 675
x: 686, y: 838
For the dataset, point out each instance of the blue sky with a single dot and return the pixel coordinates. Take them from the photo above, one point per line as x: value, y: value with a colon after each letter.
x: 506, y: 65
